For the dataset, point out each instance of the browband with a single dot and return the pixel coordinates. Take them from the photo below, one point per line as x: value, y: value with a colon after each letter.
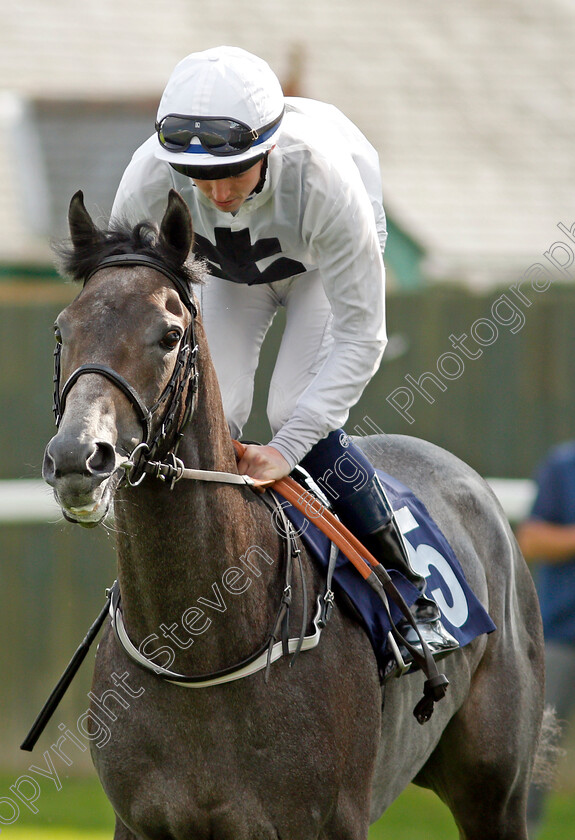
x: 149, y: 262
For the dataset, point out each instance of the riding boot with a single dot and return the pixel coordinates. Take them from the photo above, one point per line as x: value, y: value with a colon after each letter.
x: 349, y: 480
x: 386, y: 544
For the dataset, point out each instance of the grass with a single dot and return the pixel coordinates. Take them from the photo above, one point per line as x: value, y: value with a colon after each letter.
x: 80, y: 811
x: 30, y: 833
x: 419, y: 815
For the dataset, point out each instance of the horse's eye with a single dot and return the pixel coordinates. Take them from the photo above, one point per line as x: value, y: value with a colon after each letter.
x: 57, y: 334
x: 170, y: 340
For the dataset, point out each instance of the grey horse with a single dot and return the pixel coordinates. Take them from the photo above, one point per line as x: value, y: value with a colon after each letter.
x: 310, y: 753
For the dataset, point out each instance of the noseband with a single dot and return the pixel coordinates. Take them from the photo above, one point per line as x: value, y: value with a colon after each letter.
x: 184, y: 374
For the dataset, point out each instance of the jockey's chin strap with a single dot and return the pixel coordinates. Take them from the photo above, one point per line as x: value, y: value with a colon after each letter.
x: 367, y: 565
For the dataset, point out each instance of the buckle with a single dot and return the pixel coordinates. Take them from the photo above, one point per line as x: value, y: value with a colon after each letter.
x: 327, y: 603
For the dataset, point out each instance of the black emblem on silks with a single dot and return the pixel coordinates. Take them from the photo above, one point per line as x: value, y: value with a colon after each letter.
x: 234, y: 258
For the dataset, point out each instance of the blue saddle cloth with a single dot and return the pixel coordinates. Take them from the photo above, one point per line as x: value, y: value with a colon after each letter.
x: 430, y: 554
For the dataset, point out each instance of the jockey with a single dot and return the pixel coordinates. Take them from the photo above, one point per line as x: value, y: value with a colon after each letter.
x: 285, y: 198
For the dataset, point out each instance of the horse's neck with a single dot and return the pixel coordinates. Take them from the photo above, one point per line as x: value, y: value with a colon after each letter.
x: 201, y: 540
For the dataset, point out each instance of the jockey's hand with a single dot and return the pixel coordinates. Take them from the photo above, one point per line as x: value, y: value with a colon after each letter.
x: 264, y: 463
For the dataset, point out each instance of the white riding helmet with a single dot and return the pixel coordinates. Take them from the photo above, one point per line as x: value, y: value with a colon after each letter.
x: 221, y: 108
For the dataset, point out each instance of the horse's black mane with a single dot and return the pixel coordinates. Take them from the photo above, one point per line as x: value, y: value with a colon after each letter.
x: 79, y: 260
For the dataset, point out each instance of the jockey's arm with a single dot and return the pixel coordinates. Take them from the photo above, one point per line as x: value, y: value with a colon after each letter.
x: 546, y: 542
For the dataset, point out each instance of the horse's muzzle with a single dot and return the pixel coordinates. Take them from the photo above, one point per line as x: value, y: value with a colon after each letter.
x: 79, y: 471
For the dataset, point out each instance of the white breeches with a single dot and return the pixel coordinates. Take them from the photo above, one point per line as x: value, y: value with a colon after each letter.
x: 237, y: 317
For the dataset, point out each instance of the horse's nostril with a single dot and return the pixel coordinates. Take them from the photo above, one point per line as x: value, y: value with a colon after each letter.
x: 103, y: 459
x: 48, y: 467
x: 68, y: 457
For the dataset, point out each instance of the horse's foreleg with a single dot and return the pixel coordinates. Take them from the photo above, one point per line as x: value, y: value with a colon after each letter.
x: 123, y: 833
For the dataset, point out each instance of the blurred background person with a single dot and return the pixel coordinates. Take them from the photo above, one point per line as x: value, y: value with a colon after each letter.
x: 547, y: 539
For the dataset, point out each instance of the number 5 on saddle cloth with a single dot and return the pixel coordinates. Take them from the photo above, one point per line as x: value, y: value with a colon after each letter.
x: 431, y: 556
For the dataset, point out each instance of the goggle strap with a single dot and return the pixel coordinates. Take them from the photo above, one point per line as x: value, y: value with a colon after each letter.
x: 257, y: 135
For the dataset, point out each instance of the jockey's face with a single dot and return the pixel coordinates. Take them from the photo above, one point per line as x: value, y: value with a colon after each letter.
x: 228, y: 194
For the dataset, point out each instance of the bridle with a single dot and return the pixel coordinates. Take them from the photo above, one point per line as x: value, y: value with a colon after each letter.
x: 178, y: 397
x: 140, y: 463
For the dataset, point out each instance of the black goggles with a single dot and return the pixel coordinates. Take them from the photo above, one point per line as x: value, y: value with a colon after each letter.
x: 217, y: 135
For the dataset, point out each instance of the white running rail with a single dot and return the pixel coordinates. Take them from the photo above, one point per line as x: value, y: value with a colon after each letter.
x: 25, y: 500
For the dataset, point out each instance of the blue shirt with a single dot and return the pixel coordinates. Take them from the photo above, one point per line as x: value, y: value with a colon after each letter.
x: 555, y: 502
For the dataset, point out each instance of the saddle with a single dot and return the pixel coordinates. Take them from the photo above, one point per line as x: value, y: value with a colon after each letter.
x: 378, y: 598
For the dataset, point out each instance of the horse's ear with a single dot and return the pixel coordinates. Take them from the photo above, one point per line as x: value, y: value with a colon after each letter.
x: 176, y: 227
x: 82, y: 228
